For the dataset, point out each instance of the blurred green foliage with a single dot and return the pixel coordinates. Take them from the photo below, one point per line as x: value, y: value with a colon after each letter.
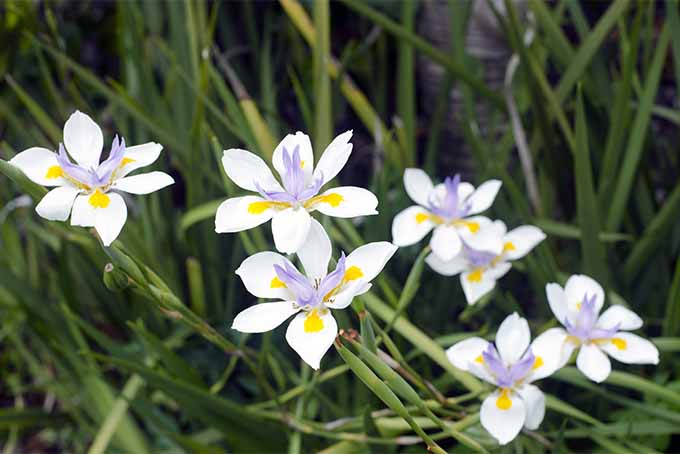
x: 137, y: 356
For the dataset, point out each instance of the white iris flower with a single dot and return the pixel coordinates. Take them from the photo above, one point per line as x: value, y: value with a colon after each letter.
x: 313, y: 330
x: 289, y: 205
x: 449, y: 209
x: 87, y: 189
x: 480, y: 269
x: 511, y: 365
x: 577, y: 306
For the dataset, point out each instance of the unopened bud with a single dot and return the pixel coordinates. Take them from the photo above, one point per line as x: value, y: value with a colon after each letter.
x: 115, y: 279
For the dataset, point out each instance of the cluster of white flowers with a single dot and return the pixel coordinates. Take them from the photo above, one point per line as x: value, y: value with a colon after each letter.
x: 463, y: 242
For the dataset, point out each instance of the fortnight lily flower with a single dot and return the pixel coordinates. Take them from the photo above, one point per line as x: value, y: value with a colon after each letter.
x: 313, y: 330
x: 511, y: 365
x: 447, y: 208
x: 577, y: 306
x: 288, y: 206
x: 86, y: 189
x: 479, y: 270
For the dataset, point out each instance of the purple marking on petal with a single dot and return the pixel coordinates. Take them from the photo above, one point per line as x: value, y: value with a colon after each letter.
x: 276, y: 196
x: 293, y: 181
x: 496, y: 366
x: 333, y: 279
x: 584, y: 326
x: 72, y: 170
x: 297, y: 283
x: 478, y: 258
x: 520, y: 369
x: 106, y: 168
x: 450, y: 206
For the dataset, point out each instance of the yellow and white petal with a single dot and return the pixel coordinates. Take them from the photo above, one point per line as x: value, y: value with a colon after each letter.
x: 557, y: 299
x: 445, y: 242
x: 57, y: 204
x: 580, y: 285
x: 315, y: 252
x: 503, y: 414
x: 83, y: 139
x: 40, y: 166
x: 264, y: 317
x: 418, y: 186
x: 630, y: 348
x: 593, y: 363
x: 512, y: 338
x: 243, y: 213
x: 289, y: 142
x: 463, y: 353
x: 290, y: 228
x: 346, y: 202
x: 620, y: 316
x: 311, y: 334
x: 109, y: 216
x: 482, y: 198
x: 476, y: 283
x: 346, y: 294
x: 144, y: 183
x: 259, y: 276
x: 411, y: 225
x: 456, y: 265
x: 334, y: 157
x: 534, y: 402
x: 552, y: 351
x: 246, y: 168
x: 83, y: 213
x: 519, y: 241
x: 480, y: 233
x: 367, y: 261
x: 139, y: 156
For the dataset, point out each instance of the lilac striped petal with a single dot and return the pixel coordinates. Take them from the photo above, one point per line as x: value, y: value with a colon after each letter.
x: 106, y: 168
x: 72, y: 170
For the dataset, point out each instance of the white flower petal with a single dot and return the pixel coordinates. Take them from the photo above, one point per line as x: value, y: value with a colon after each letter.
x: 243, y: 213
x: 289, y: 142
x: 512, y: 338
x: 631, y: 349
x: 552, y: 351
x: 503, y: 415
x: 483, y: 197
x: 334, y: 157
x: 557, y: 300
x: 445, y: 242
x: 411, y: 225
x: 315, y: 252
x: 245, y: 169
x: 580, y: 285
x: 499, y: 270
x: 456, y: 265
x: 138, y: 156
x: 290, y: 228
x: 593, y: 363
x: 346, y: 202
x: 464, y: 190
x: 83, y: 213
x: 264, y: 317
x: 259, y: 277
x: 476, y: 283
x: 518, y: 242
x: 144, y: 183
x: 346, y: 294
x: 367, y: 261
x: 479, y: 233
x: 466, y: 353
x: 83, y: 139
x: 534, y: 402
x: 109, y: 220
x: 57, y: 204
x: 620, y: 316
x: 418, y: 186
x: 311, y: 334
x: 36, y: 163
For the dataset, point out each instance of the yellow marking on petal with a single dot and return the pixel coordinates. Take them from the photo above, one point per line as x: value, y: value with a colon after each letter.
x: 538, y: 362
x: 473, y: 226
x: 126, y: 161
x: 302, y: 164
x: 509, y: 246
x: 504, y: 402
x: 333, y: 199
x: 262, y: 206
x: 99, y: 200
x: 479, y: 359
x: 54, y: 172
x: 352, y: 273
x: 277, y: 283
x: 578, y: 306
x: 422, y: 217
x: 475, y: 276
x: 621, y: 344
x: 313, y: 323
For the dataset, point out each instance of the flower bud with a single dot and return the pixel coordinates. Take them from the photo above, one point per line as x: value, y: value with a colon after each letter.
x: 115, y: 279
